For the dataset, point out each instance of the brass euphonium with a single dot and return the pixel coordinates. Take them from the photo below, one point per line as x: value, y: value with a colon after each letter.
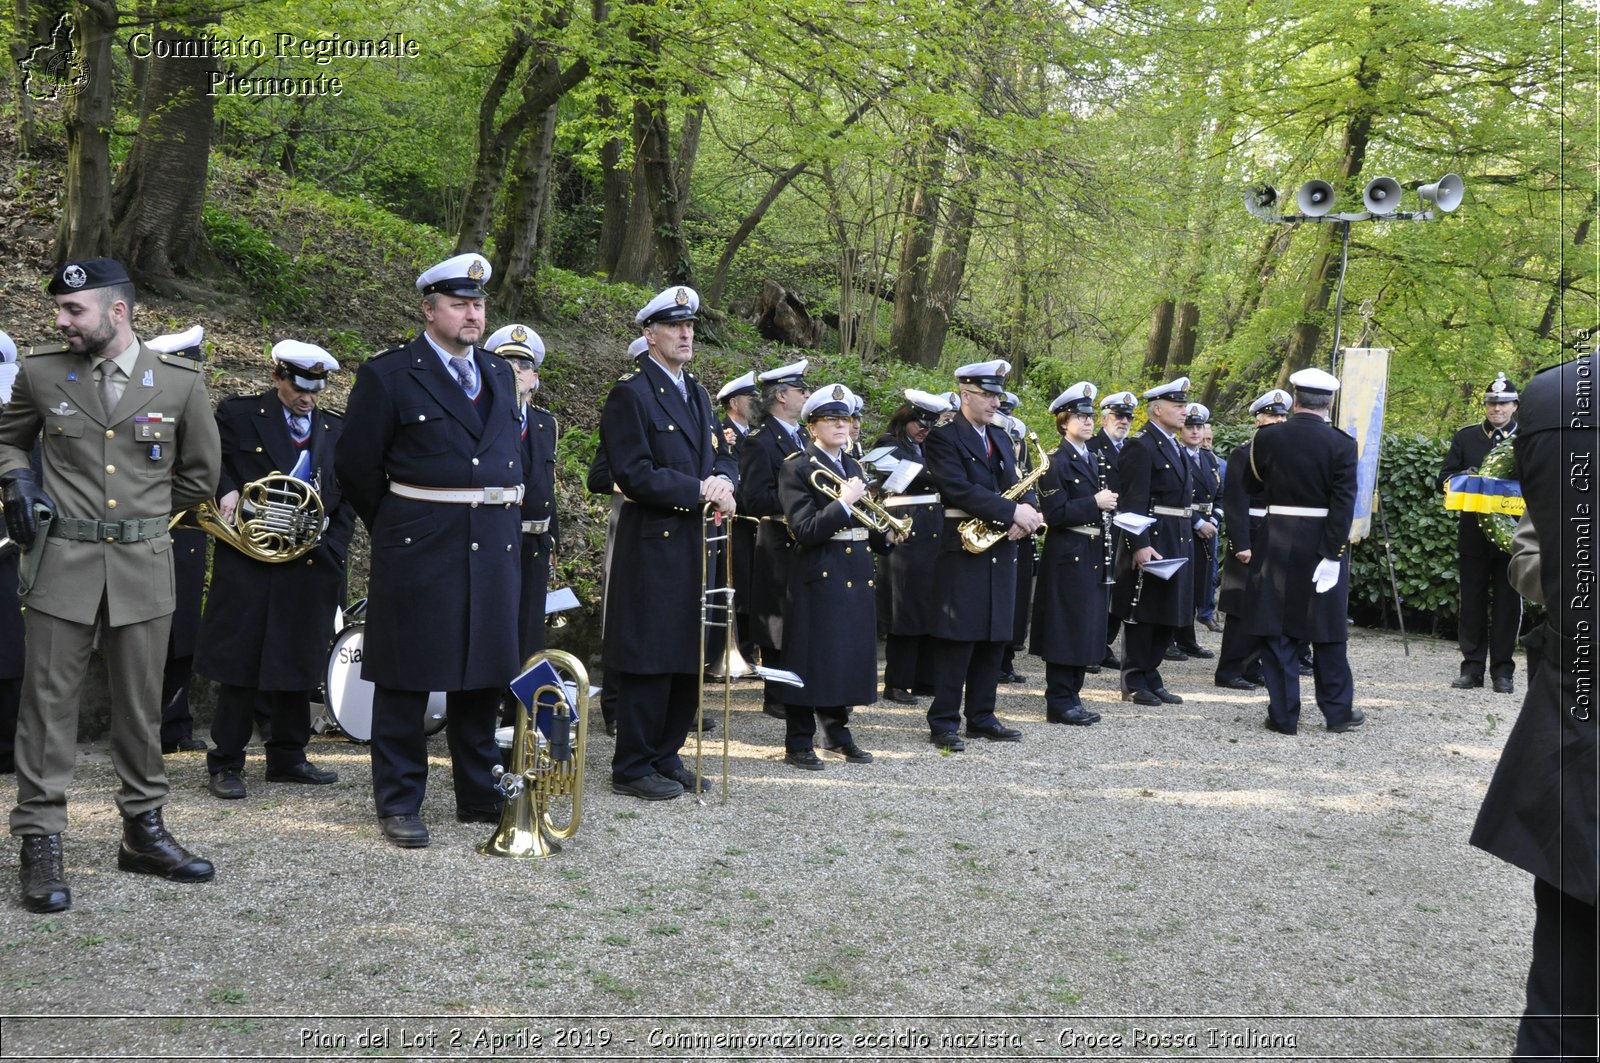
x: 280, y: 518
x: 976, y: 534
x: 544, y: 769
x: 865, y: 508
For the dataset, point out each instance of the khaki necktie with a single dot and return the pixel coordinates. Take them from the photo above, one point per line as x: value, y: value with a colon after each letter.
x: 108, y: 387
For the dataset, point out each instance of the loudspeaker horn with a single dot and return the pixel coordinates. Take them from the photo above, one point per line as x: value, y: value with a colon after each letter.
x: 1315, y: 198
x: 1445, y: 193
x: 1260, y: 199
x: 1382, y: 195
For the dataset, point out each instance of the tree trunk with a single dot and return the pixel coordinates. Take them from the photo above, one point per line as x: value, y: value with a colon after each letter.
x: 22, y: 36
x: 518, y: 239
x: 615, y: 184
x: 1567, y: 276
x: 1307, y: 332
x: 636, y: 258
x: 944, y: 289
x: 1159, y: 340
x: 85, y: 227
x: 661, y: 188
x: 908, y: 331
x: 156, y: 205
x: 1184, y: 331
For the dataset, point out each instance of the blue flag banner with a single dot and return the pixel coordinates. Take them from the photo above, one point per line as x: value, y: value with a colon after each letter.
x: 1363, y: 390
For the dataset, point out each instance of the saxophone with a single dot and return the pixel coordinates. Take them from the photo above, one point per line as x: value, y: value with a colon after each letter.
x: 976, y: 535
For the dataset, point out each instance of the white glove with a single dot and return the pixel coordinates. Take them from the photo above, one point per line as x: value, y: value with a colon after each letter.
x: 1326, y: 575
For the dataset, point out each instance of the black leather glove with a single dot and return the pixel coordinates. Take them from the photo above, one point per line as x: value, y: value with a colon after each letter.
x: 20, y: 492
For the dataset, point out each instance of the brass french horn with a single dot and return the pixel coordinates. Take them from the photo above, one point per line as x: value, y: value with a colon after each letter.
x: 546, y: 772
x: 279, y: 519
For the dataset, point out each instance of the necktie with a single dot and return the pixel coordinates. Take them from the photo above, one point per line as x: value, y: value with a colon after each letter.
x: 988, y: 447
x: 300, y: 427
x: 462, y: 368
x: 108, y: 387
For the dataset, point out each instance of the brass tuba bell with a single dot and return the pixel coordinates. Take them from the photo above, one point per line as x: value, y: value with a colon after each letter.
x: 546, y: 770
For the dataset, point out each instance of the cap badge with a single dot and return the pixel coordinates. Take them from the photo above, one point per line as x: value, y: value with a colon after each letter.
x: 518, y: 334
x: 74, y: 276
x: 838, y: 393
x: 475, y: 271
x: 681, y: 297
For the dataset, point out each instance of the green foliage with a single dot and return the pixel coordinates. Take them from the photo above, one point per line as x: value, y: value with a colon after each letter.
x: 275, y: 278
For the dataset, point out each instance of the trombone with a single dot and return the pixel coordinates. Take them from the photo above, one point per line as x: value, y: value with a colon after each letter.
x: 716, y: 614
x: 865, y: 509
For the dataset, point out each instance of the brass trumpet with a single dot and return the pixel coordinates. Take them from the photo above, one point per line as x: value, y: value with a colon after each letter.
x: 544, y: 769
x: 280, y: 518
x: 867, y: 511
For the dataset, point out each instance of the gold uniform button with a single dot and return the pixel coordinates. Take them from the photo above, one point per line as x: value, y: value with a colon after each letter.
x: 508, y: 548
x: 849, y: 584
x: 258, y: 450
x: 474, y: 461
x: 408, y: 540
x: 109, y: 433
x: 309, y: 562
x: 666, y: 535
x: 111, y: 503
x: 111, y: 470
x: 849, y: 549
x: 474, y: 546
x: 872, y: 583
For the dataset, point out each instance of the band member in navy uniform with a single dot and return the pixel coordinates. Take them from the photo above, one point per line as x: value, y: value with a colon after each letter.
x: 1072, y: 593
x: 523, y: 350
x: 829, y: 622
x: 1239, y: 660
x: 1157, y: 483
x: 668, y: 458
x: 1540, y: 812
x: 1116, y: 417
x: 1491, y: 611
x: 973, y: 463
x: 1305, y: 469
x: 1206, y: 475
x: 908, y: 649
x: 190, y: 552
x: 1027, y: 549
x: 267, y: 626
x: 431, y: 459
x: 783, y: 395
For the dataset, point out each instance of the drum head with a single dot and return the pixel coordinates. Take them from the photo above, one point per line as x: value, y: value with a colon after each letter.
x: 349, y: 697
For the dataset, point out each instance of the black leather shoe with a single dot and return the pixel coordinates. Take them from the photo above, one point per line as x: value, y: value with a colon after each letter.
x: 851, y: 752
x: 652, y: 787
x: 1141, y: 697
x: 1275, y: 729
x: 1466, y: 682
x: 994, y: 731
x: 228, y: 785
x: 899, y: 695
x: 1012, y: 677
x: 1077, y: 717
x: 1174, y: 654
x: 1503, y: 686
x: 477, y: 815
x: 303, y: 772
x: 405, y: 831
x: 1211, y: 623
x: 1258, y: 680
x: 707, y: 725
x: 685, y: 778
x: 190, y: 744
x: 1237, y: 683
x: 1091, y: 669
x: 148, y: 849
x: 1167, y: 696
x: 948, y: 741
x: 44, y: 874
x: 1111, y: 660
x: 1306, y: 672
x: 804, y: 759
x: 1357, y: 718
x: 1199, y: 652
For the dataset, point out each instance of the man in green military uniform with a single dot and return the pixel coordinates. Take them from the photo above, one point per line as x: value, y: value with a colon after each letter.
x: 129, y: 439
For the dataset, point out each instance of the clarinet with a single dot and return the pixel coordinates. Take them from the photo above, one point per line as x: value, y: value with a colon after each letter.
x: 1105, y: 522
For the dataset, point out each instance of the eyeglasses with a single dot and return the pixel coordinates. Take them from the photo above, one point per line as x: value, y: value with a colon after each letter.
x: 1115, y: 416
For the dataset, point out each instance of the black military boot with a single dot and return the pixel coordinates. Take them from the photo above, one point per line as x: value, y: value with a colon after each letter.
x: 44, y: 876
x: 148, y: 849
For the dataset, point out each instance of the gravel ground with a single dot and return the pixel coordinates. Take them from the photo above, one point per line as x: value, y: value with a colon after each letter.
x: 1168, y: 883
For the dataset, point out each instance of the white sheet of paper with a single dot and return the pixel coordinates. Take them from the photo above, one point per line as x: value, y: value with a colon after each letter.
x: 1165, y: 568
x: 559, y: 600
x: 902, y: 477
x: 1132, y: 523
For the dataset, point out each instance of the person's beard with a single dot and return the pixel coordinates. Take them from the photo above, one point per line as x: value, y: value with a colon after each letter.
x: 93, y: 342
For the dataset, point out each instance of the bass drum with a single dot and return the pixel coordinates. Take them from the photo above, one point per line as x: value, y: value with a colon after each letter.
x: 349, y: 697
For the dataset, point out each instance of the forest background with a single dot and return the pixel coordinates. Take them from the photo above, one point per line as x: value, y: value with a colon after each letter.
x: 912, y: 185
